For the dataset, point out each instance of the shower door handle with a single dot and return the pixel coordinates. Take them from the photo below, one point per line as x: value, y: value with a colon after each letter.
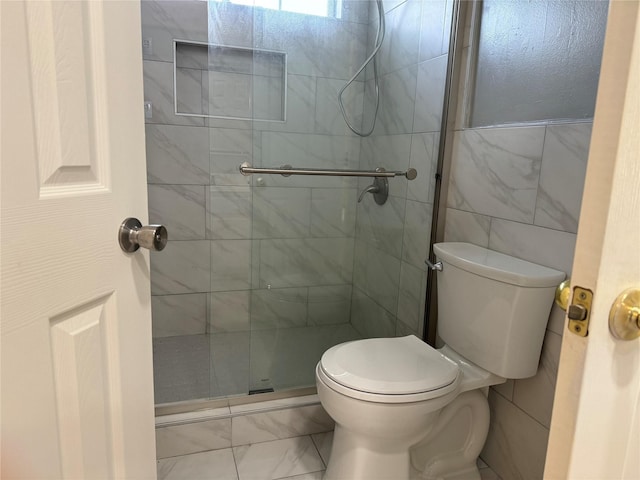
x: 132, y: 235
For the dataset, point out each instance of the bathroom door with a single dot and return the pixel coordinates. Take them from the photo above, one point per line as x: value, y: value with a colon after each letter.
x: 595, y: 429
x: 77, y: 396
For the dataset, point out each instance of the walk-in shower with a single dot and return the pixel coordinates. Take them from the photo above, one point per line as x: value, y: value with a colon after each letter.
x: 263, y: 273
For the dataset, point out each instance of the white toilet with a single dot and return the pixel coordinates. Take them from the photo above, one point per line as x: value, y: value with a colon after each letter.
x: 398, y: 401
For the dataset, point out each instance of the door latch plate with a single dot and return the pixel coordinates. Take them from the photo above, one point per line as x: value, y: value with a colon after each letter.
x: 579, y: 311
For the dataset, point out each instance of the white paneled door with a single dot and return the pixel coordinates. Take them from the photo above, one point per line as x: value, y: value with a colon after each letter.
x: 595, y: 429
x: 76, y: 372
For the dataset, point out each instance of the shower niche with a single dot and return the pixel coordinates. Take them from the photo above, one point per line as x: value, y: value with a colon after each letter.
x: 235, y: 83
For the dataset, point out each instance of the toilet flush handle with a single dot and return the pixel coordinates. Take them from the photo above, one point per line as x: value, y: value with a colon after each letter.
x: 434, y: 266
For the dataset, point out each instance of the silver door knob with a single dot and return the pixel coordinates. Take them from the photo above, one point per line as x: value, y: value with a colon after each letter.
x: 132, y: 235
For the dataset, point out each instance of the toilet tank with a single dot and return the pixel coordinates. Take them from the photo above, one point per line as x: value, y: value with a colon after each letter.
x: 493, y: 308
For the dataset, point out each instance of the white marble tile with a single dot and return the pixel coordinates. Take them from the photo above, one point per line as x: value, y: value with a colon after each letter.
x: 424, y: 158
x: 189, y: 91
x: 193, y: 437
x: 323, y: 442
x: 306, y: 262
x: 355, y: 11
x: 286, y: 357
x: 411, y: 295
x: 279, y: 424
x: 163, y: 20
x: 230, y: 362
x: 182, y: 267
x: 544, y: 246
x: 315, y: 45
x: 213, y: 465
x: 307, y: 476
x: 230, y: 94
x: 158, y: 89
x: 397, y: 101
x: 391, y: 152
x: 281, y: 212
x: 430, y: 95
x: 535, y: 395
x: 228, y: 148
x: 301, y: 97
x: 180, y: 208
x: 377, y: 274
x: 557, y: 320
x: 230, y: 265
x: 432, y: 28
x: 333, y: 212
x: 381, y: 226
x: 401, y: 42
x: 369, y: 318
x: 461, y: 226
x: 516, y: 445
x: 229, y: 311
x: 177, y: 155
x: 309, y: 151
x: 229, y: 212
x: 488, y: 474
x: 190, y: 55
x: 417, y: 232
x: 328, y: 117
x: 231, y: 24
x: 179, y: 314
x: 495, y: 171
x: 278, y: 307
x: 329, y: 305
x: 505, y: 389
x: 564, y: 165
x: 277, y: 459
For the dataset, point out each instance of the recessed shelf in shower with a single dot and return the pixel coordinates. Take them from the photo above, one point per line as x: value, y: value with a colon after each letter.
x: 234, y: 83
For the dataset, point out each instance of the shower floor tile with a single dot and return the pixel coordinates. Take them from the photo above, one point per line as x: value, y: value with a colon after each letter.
x: 200, y: 366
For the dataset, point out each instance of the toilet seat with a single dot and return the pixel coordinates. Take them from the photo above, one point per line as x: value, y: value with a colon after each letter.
x: 388, y: 370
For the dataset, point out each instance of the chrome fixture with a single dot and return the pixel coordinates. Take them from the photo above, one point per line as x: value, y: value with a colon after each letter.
x: 286, y: 170
x: 132, y: 235
x: 379, y: 189
x: 377, y: 45
x: 434, y: 266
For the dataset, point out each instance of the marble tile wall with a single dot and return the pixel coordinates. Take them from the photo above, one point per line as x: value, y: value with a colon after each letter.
x: 260, y: 253
x: 392, y: 240
x: 517, y: 190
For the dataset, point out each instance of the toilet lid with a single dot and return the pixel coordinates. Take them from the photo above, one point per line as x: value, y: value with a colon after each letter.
x: 389, y: 366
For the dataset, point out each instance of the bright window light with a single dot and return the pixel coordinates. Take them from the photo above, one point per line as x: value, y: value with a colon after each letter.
x: 321, y: 8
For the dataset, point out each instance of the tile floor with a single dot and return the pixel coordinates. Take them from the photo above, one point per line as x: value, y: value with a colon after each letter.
x: 298, y: 458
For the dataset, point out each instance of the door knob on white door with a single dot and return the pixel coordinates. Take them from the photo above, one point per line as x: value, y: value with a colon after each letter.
x: 624, y: 316
x: 132, y: 235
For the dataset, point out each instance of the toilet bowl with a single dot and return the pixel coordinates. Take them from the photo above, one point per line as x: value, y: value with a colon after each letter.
x: 379, y: 420
x: 399, y: 403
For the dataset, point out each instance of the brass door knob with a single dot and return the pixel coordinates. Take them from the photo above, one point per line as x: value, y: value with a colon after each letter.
x: 624, y: 316
x: 563, y: 294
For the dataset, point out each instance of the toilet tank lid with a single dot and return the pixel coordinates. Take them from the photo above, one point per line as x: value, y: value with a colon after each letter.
x: 497, y: 266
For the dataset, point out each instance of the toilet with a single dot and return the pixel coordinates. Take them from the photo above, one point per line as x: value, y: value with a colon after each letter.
x: 399, y: 404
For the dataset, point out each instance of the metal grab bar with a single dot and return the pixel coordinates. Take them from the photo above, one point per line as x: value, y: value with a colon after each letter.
x: 287, y: 170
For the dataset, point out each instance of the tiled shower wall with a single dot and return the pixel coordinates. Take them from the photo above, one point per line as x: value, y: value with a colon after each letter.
x: 263, y: 255
x: 392, y: 240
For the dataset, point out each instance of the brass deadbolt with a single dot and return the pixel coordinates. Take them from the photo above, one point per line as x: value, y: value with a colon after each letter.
x: 624, y: 316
